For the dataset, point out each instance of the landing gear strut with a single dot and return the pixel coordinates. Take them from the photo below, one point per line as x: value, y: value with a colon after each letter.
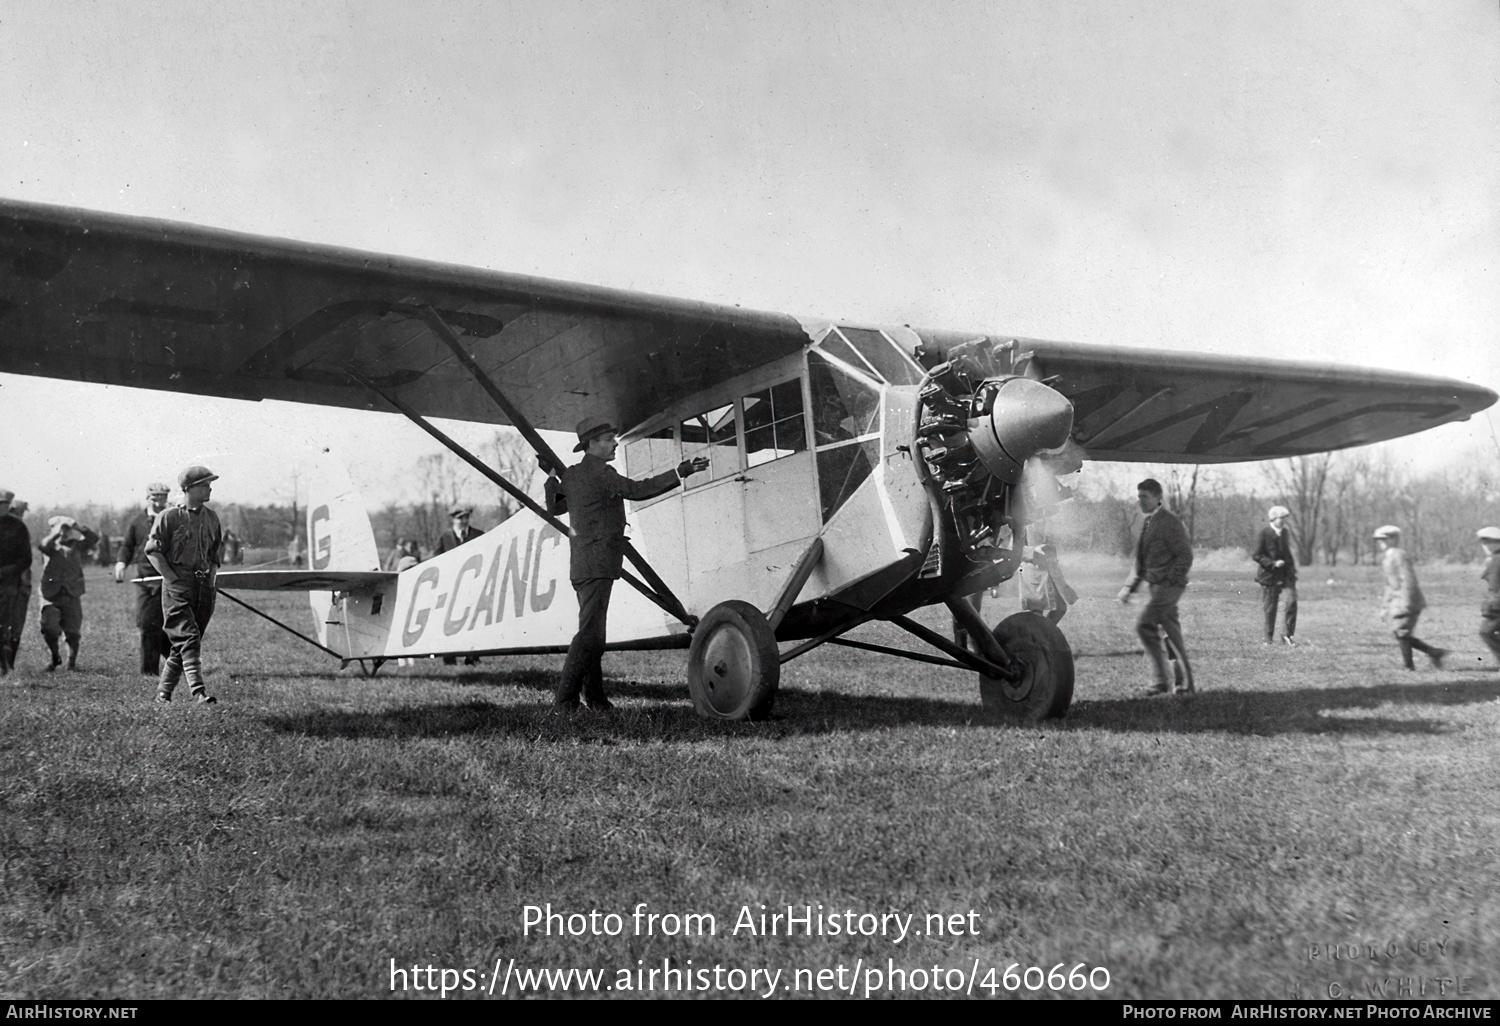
x: 1045, y: 685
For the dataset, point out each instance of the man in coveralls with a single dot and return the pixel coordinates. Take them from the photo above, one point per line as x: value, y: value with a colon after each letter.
x: 154, y: 643
x: 1489, y: 611
x: 15, y: 580
x: 185, y: 547
x: 593, y: 494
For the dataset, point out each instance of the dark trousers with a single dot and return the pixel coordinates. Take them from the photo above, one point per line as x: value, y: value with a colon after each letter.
x: 1268, y: 597
x: 1161, y: 612
x: 1489, y: 632
x: 15, y: 596
x: 148, y: 620
x: 187, y: 604
x: 582, y: 672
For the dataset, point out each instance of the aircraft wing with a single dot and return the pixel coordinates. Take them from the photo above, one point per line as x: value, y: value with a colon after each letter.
x: 1157, y: 406
x: 130, y: 301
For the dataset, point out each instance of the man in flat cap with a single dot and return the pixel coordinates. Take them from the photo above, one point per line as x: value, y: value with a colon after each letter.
x: 186, y: 548
x: 459, y: 531
x: 15, y: 580
x: 64, y: 546
x: 1489, y: 610
x: 148, y: 615
x: 1163, y: 557
x: 1277, y: 573
x: 594, y: 495
x: 1403, y: 601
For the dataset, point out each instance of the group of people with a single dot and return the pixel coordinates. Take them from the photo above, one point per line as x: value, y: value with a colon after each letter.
x: 176, y: 551
x: 1164, y: 555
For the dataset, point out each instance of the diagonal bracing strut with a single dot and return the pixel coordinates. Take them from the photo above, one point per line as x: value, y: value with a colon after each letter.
x: 510, y: 489
x: 545, y: 455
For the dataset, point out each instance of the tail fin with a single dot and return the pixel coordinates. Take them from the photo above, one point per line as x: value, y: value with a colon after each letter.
x: 339, y: 536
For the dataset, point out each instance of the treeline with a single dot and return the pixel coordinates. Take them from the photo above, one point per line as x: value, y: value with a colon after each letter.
x: 1336, y: 499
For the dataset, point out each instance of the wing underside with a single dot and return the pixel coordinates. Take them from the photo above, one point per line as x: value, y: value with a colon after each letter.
x: 128, y: 301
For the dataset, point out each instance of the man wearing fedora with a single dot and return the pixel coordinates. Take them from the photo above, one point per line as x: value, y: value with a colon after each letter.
x: 186, y: 547
x: 593, y: 494
x: 1403, y: 601
x: 1277, y: 574
x: 148, y: 614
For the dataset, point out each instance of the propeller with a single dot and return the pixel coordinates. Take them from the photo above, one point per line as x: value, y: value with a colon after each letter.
x: 995, y: 443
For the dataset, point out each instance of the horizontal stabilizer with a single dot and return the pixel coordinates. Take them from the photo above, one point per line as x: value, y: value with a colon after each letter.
x: 305, y: 580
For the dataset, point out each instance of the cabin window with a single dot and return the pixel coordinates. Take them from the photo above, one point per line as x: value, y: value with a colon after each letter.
x: 652, y: 454
x: 715, y: 434
x: 774, y: 424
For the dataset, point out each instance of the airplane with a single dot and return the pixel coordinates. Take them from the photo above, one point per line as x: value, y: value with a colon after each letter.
x: 856, y: 472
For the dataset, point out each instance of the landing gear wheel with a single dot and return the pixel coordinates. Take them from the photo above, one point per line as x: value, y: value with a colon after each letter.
x: 1046, y: 684
x: 733, y: 664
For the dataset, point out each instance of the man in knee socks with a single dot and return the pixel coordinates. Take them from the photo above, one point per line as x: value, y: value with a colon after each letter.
x: 186, y: 546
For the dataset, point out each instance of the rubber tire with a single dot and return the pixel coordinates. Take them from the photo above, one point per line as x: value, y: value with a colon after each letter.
x: 1046, y: 685
x: 734, y: 666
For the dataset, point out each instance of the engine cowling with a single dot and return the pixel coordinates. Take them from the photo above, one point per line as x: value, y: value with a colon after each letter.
x: 995, y: 444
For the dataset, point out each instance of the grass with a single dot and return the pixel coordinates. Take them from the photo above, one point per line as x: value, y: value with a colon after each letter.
x: 315, y: 825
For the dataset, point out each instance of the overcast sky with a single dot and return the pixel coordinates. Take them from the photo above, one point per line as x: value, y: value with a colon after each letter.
x: 1302, y: 180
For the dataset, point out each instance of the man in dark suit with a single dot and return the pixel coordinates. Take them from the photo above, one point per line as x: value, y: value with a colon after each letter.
x: 1277, y: 573
x: 15, y: 579
x: 1163, y: 556
x: 148, y: 613
x: 458, y: 531
x: 593, y: 494
x: 457, y: 534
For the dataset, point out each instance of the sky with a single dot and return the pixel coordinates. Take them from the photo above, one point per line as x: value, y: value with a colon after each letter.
x: 1316, y: 180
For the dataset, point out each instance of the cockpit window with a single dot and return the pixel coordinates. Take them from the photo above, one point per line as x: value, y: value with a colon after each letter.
x: 713, y: 434
x: 844, y: 407
x: 888, y: 359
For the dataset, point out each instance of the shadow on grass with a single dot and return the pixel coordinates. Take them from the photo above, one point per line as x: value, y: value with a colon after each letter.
x: 668, y: 716
x: 1309, y: 711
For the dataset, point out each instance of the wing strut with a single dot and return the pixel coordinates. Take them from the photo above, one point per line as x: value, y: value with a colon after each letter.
x: 545, y: 456
x: 668, y: 604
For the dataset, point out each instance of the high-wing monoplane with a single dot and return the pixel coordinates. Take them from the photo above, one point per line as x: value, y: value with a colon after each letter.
x: 856, y: 472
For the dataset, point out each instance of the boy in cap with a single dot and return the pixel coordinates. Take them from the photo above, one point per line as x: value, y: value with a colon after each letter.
x: 64, y: 546
x: 1489, y: 610
x: 595, y: 494
x: 1403, y: 601
x: 15, y: 579
x: 1277, y: 573
x: 185, y: 547
x: 148, y: 616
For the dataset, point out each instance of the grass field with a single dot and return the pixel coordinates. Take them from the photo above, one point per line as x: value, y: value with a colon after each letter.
x: 315, y: 825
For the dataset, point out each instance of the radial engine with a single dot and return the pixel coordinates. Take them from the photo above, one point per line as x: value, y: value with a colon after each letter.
x: 994, y: 444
